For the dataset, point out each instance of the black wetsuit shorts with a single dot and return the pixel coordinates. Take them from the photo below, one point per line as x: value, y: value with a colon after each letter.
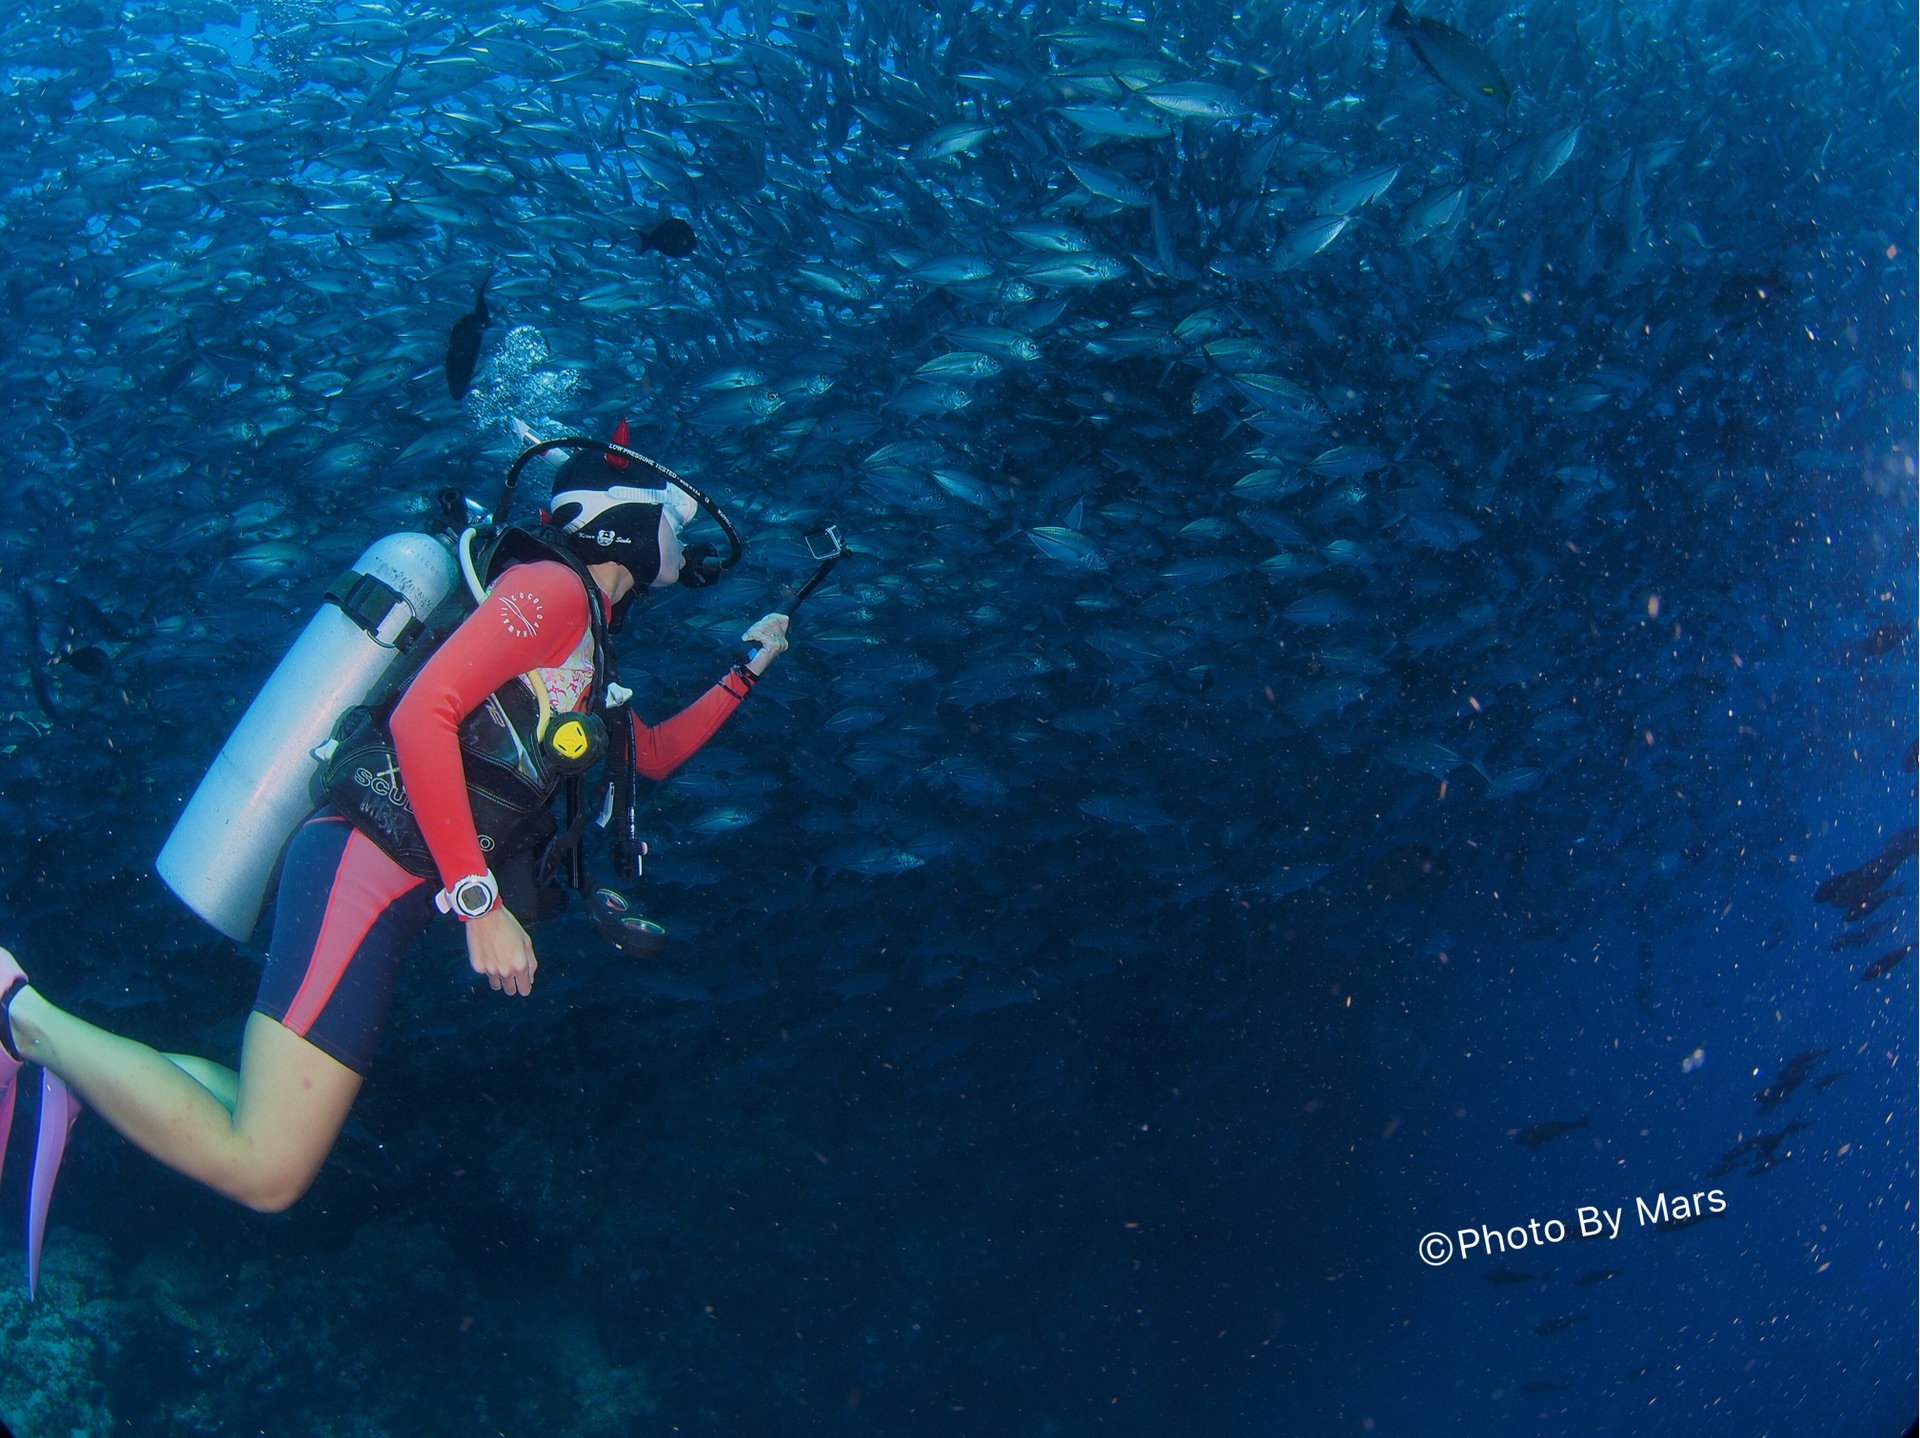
x: 345, y: 916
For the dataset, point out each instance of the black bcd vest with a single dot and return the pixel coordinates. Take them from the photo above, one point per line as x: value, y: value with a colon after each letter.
x: 510, y: 787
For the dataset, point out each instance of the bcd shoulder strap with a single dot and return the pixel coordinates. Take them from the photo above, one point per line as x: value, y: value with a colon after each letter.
x: 516, y: 545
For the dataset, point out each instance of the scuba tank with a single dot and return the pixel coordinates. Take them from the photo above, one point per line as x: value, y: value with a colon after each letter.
x: 221, y: 854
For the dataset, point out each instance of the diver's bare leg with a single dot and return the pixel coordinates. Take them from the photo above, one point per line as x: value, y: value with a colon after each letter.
x: 290, y: 1104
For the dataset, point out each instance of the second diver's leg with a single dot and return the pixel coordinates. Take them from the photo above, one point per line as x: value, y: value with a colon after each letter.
x: 291, y: 1102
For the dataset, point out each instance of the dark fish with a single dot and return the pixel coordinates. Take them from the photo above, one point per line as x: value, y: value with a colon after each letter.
x: 1827, y: 1081
x: 1885, y: 638
x: 1856, y: 890
x: 1756, y: 1153
x: 1792, y: 1074
x: 1503, y: 1276
x: 1560, y: 1324
x: 1598, y: 1275
x: 1455, y: 61
x: 1858, y: 938
x: 1539, y: 1133
x: 1874, y: 901
x: 93, y: 662
x: 1885, y: 964
x: 673, y: 238
x: 463, y: 344
x: 1911, y: 761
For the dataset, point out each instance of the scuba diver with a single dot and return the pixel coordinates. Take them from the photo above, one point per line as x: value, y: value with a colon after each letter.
x: 436, y: 797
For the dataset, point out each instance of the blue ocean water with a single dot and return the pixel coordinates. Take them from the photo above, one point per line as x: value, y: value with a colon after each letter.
x: 1382, y: 587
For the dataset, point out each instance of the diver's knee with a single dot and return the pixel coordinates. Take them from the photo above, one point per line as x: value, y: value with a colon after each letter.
x: 271, y: 1192
x: 271, y: 1199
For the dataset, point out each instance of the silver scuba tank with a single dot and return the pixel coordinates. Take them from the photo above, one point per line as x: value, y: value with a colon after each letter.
x: 221, y: 853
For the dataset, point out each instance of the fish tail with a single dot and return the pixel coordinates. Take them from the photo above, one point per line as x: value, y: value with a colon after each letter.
x: 1398, y: 18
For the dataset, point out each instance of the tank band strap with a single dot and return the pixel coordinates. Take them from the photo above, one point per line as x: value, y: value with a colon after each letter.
x: 376, y: 607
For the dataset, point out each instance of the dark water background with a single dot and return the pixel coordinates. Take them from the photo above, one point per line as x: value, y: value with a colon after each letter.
x: 1119, y: 966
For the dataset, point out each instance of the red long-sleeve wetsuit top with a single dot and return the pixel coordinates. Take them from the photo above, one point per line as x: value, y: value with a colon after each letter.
x: 534, y: 617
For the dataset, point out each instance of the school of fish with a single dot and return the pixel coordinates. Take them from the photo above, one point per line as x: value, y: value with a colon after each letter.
x: 1313, y: 475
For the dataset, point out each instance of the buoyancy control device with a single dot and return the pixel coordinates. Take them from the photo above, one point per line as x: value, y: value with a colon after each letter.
x: 515, y: 752
x: 221, y: 854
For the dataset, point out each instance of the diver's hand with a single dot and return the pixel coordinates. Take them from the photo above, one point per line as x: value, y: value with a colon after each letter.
x: 499, y: 948
x: 770, y: 633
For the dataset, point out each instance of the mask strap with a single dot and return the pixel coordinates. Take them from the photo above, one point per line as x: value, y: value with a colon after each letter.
x: 713, y: 511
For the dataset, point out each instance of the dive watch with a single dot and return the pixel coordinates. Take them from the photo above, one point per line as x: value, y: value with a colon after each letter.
x: 469, y: 898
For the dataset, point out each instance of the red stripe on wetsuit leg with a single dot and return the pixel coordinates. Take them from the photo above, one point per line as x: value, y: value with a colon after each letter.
x: 364, y: 885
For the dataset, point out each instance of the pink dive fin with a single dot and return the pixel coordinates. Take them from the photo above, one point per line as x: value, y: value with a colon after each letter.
x: 9, y: 1065
x: 59, y: 1110
x: 9, y: 1070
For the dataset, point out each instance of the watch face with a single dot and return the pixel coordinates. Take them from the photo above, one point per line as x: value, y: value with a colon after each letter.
x: 473, y: 897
